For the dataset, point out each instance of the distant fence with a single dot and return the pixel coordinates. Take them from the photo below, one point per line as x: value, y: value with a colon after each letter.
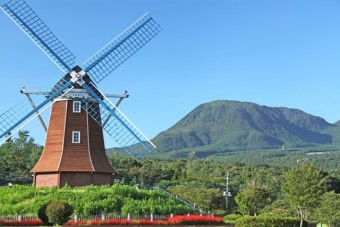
x: 120, y: 217
x: 76, y: 218
x: 18, y: 217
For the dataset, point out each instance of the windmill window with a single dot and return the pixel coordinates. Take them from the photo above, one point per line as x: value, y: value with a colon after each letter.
x: 76, y: 106
x: 75, y: 137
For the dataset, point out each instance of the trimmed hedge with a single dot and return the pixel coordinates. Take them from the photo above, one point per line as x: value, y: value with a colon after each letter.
x: 58, y: 212
x: 231, y: 218
x: 268, y: 221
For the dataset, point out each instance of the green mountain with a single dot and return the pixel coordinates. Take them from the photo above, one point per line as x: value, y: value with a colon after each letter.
x: 223, y: 126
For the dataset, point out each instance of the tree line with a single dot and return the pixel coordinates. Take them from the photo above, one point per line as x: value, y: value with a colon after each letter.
x: 302, y: 191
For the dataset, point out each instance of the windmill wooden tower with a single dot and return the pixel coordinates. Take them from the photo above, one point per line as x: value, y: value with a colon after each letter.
x: 74, y: 152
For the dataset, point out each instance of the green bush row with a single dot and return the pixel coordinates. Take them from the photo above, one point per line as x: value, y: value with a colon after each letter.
x: 268, y: 221
x: 231, y: 218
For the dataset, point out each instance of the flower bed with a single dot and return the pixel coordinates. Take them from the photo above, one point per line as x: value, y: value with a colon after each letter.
x: 21, y: 223
x: 195, y: 220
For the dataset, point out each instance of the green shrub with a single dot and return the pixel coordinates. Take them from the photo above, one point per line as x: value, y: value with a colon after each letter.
x: 42, y: 215
x: 155, y: 206
x: 58, y: 212
x: 268, y: 221
x: 231, y: 218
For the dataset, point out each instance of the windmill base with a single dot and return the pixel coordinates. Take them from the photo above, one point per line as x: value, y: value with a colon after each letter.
x: 73, y: 179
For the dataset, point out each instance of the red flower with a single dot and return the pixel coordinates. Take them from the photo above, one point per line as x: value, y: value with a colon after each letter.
x: 195, y: 219
x: 77, y: 223
x: 21, y: 223
x: 154, y: 222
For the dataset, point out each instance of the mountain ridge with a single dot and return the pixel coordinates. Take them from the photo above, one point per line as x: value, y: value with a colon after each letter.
x: 224, y: 125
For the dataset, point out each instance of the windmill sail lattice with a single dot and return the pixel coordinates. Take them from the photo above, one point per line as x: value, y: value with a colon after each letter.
x: 20, y: 113
x: 121, y: 48
x: 22, y: 14
x: 74, y: 161
x: 118, y: 126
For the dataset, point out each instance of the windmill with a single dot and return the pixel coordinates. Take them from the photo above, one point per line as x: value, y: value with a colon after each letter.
x: 74, y: 150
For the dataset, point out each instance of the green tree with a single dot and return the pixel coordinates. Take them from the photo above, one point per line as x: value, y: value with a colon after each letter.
x: 18, y: 156
x: 329, y: 209
x: 252, y: 199
x: 207, y: 199
x: 303, y: 187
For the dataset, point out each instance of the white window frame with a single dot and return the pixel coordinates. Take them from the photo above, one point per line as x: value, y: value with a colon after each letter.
x: 76, y: 106
x: 75, y: 136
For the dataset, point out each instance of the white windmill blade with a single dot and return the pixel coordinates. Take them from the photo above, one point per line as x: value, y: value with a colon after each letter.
x: 9, y: 115
x: 121, y: 48
x: 117, y: 125
x: 31, y: 24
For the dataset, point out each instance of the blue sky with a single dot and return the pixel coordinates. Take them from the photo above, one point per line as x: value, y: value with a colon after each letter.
x: 274, y: 53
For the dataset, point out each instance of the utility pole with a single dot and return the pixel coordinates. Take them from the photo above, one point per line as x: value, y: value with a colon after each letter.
x: 227, y: 194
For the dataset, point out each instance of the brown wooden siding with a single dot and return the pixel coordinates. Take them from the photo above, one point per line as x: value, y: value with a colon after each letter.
x: 50, y: 158
x: 97, y: 149
x: 76, y: 156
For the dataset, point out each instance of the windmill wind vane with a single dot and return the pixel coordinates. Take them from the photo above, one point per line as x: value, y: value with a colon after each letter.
x: 77, y: 89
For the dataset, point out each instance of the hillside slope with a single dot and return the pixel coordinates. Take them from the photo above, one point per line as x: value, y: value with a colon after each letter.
x: 220, y: 126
